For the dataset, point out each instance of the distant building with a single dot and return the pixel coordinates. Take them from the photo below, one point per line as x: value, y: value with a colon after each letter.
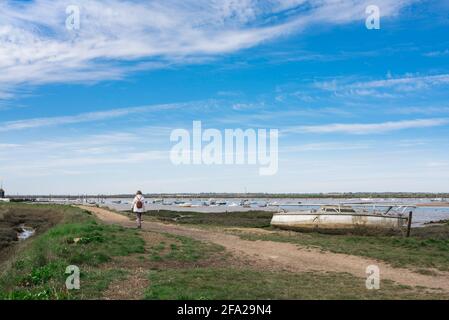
x: 2, y: 193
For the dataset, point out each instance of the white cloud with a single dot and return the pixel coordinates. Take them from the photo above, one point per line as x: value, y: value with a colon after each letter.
x: 247, y: 106
x: 327, y: 146
x: 82, y: 153
x: 411, y: 82
x: 369, y: 128
x: 433, y: 54
x: 437, y: 164
x: 83, y: 163
x: 384, y: 88
x: 119, y: 36
x: 429, y: 110
x: 83, y: 117
x: 7, y: 146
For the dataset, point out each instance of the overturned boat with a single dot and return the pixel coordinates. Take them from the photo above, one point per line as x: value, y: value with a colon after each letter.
x: 345, y: 218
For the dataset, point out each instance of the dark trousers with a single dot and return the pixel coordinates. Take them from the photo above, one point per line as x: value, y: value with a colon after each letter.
x: 139, y: 219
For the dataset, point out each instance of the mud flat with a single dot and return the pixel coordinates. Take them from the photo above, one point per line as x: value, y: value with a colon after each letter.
x: 434, y: 204
x: 19, y: 222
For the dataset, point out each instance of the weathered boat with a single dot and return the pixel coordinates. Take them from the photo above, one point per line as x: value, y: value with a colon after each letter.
x: 185, y: 205
x: 341, y: 218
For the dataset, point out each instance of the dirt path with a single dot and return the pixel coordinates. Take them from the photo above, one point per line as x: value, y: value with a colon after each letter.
x: 286, y: 256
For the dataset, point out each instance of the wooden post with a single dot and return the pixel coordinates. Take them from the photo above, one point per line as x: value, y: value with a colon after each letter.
x: 409, y: 223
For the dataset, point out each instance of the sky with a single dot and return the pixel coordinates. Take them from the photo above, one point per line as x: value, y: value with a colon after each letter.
x: 90, y: 109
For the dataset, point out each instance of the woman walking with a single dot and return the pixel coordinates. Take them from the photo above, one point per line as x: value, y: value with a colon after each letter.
x: 139, y: 208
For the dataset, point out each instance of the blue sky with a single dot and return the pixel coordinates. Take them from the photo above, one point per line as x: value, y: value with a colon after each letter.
x: 91, y: 110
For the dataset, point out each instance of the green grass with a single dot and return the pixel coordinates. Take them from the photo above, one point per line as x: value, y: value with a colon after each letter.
x: 183, y: 249
x: 417, y: 251
x: 38, y: 272
x: 96, y: 281
x: 176, y: 264
x: 253, y: 219
x: 427, y: 248
x: 93, y: 283
x: 233, y: 284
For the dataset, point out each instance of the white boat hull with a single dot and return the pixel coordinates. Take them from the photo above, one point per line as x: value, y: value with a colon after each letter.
x: 336, y: 221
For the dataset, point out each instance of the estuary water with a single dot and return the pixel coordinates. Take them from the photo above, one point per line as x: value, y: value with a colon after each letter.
x: 421, y: 214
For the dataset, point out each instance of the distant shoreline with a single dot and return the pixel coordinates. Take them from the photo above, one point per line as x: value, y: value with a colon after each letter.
x: 401, y: 195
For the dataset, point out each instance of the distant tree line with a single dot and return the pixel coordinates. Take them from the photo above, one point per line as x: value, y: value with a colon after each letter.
x: 345, y: 195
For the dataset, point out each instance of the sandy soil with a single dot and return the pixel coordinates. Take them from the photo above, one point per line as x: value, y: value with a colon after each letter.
x: 285, y: 256
x: 130, y: 288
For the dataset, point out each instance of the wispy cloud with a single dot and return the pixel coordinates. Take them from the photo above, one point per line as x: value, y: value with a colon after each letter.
x: 428, y: 110
x: 408, y: 82
x: 81, y: 154
x: 437, y: 164
x: 121, y: 36
x: 83, y: 117
x: 434, y: 54
x: 83, y: 163
x: 327, y: 146
x: 384, y: 88
x: 8, y: 146
x: 369, y: 128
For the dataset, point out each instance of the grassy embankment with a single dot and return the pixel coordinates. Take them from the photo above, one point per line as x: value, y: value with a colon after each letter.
x: 200, y: 271
x: 248, y: 282
x: 35, y: 269
x: 427, y: 247
x: 175, y: 267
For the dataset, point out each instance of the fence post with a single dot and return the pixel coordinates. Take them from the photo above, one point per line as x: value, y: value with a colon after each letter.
x: 409, y: 223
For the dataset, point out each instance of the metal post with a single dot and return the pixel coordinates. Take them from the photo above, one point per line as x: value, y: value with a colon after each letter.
x: 409, y: 223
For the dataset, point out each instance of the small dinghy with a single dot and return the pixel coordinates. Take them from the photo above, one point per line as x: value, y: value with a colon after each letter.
x: 341, y: 218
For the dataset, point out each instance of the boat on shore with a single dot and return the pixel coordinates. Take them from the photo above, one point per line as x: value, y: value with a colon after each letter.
x: 343, y: 218
x: 185, y: 205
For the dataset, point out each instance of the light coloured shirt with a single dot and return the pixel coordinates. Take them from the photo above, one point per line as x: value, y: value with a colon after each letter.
x: 142, y: 199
